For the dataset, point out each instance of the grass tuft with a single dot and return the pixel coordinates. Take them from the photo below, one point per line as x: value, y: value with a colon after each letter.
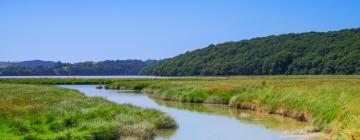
x: 34, y: 112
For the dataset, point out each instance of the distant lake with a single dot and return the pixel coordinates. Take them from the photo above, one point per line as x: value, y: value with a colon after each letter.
x: 87, y: 77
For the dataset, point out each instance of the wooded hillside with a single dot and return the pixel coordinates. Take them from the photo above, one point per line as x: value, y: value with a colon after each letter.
x: 336, y: 52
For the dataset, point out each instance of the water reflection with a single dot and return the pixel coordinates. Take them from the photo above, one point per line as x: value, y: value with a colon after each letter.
x: 265, y: 120
x: 204, y: 122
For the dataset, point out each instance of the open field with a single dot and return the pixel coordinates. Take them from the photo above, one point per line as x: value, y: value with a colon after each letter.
x: 49, y: 112
x: 330, y: 103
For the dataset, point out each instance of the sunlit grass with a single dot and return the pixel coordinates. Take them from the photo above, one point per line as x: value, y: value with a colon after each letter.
x: 330, y: 103
x: 49, y: 112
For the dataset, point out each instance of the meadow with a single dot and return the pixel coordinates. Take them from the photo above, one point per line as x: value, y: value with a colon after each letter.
x: 41, y: 112
x: 329, y: 103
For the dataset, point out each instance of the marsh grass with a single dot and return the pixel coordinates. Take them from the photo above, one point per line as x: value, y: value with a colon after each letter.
x: 50, y: 112
x: 329, y: 103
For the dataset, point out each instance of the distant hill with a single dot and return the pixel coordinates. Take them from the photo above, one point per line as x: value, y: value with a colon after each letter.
x: 4, y: 64
x: 34, y: 63
x: 31, y: 63
x: 311, y: 53
x: 336, y: 52
x: 108, y: 67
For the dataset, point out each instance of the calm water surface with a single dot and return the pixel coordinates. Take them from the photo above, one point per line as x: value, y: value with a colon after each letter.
x: 205, y: 122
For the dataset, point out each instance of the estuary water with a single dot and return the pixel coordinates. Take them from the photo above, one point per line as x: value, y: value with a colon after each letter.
x: 203, y: 121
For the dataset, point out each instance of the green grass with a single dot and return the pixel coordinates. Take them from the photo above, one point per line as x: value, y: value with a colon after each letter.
x: 329, y: 103
x: 49, y: 112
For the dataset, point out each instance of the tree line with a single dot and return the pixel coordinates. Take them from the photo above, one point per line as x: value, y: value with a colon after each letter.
x: 108, y: 67
x: 311, y: 53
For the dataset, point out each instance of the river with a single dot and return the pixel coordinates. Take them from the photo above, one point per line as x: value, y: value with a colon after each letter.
x: 205, y: 122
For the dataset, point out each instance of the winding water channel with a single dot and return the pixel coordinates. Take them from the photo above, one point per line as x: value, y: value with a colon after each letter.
x: 205, y: 122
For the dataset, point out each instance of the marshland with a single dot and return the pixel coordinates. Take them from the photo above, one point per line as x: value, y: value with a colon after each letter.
x: 327, y: 105
x: 48, y: 112
x: 179, y: 70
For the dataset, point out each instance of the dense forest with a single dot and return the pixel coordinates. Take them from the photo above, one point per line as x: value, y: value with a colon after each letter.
x: 336, y: 52
x: 109, y: 67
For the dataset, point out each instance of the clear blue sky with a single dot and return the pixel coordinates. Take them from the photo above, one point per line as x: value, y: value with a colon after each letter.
x: 81, y: 30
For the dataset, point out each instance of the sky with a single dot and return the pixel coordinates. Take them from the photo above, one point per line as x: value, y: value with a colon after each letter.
x: 95, y: 30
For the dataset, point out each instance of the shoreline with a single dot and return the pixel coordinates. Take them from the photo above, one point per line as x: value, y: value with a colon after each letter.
x: 329, y: 103
x: 33, y: 111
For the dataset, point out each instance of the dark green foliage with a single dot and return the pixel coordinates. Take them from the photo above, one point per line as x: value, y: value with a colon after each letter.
x: 306, y: 53
x: 34, y: 63
x: 4, y: 64
x: 118, y: 67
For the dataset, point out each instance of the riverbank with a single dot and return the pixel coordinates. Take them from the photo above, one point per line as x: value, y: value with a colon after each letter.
x: 206, y: 121
x: 329, y: 103
x: 50, y: 112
